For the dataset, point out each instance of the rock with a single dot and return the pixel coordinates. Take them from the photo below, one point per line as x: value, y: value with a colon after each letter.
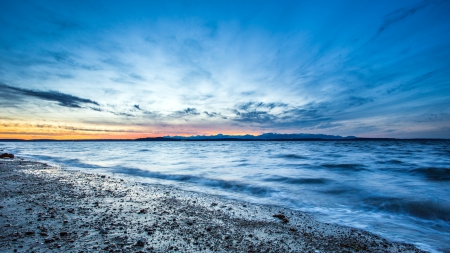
x: 141, y: 242
x: 282, y: 217
x: 49, y: 240
x: 6, y: 155
x: 213, y: 204
x: 143, y: 211
x: 63, y: 233
x: 29, y: 233
x: 103, y: 231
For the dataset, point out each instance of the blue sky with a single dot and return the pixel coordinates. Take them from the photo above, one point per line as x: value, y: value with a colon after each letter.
x: 151, y: 68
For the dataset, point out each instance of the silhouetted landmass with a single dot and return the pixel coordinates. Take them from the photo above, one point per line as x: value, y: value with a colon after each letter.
x: 265, y: 137
x: 247, y: 137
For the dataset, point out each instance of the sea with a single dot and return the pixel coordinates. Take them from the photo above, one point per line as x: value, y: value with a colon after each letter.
x: 399, y: 189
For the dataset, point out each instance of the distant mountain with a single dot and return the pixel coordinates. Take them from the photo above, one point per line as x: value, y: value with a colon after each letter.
x: 247, y: 137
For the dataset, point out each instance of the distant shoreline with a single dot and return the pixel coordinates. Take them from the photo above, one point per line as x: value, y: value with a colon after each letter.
x: 160, y: 139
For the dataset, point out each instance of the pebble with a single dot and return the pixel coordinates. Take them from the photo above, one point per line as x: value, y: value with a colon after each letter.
x: 282, y: 217
x: 141, y: 242
x: 49, y: 240
x: 187, y: 227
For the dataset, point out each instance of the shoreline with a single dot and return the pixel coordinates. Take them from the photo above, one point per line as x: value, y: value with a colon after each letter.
x: 46, y: 209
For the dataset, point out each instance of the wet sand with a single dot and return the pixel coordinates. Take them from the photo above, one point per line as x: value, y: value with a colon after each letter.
x: 46, y: 209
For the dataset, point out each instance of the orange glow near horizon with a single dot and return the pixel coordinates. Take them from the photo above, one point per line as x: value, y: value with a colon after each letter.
x: 32, y: 133
x: 36, y: 136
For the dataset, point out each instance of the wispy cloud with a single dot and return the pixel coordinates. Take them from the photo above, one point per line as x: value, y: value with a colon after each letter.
x: 62, y: 99
x: 207, y: 68
x: 187, y: 112
x: 401, y: 14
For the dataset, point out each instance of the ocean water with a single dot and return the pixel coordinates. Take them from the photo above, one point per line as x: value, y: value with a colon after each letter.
x: 397, y: 189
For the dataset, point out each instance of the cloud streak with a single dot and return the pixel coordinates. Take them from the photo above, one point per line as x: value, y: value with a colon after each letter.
x: 401, y: 14
x: 214, y: 67
x: 62, y: 99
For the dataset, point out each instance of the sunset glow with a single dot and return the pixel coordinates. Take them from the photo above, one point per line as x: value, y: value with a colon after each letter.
x: 112, y: 70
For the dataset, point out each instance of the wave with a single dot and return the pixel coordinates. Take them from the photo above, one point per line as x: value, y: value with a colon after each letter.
x: 434, y: 173
x: 69, y: 162
x: 292, y: 156
x: 290, y: 180
x: 345, y: 166
x: 395, y: 161
x: 425, y: 209
x: 233, y: 186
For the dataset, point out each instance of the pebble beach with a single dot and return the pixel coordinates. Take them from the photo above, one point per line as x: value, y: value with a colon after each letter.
x: 44, y: 208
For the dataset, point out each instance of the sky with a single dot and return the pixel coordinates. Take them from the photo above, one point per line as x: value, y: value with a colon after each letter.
x: 130, y: 69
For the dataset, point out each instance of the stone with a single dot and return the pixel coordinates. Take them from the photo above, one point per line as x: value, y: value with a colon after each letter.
x: 282, y: 217
x: 49, y: 240
x: 141, y: 242
x: 6, y: 155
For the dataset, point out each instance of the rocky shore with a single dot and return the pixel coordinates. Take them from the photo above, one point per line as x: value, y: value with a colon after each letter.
x: 46, y: 209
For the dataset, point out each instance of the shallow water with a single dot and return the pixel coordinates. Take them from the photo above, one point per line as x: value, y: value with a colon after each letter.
x: 398, y: 189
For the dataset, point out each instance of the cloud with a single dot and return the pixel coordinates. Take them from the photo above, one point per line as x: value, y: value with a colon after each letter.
x: 255, y: 105
x: 66, y: 127
x: 214, y: 115
x: 328, y: 125
x: 65, y: 100
x: 211, y: 114
x: 401, y: 14
x: 309, y: 115
x: 411, y: 84
x: 276, y: 71
x: 137, y: 77
x: 256, y: 112
x: 261, y: 117
x: 357, y: 101
x: 187, y: 112
x: 64, y: 58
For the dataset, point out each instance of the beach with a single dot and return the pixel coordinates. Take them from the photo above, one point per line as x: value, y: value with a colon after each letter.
x: 47, y: 209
